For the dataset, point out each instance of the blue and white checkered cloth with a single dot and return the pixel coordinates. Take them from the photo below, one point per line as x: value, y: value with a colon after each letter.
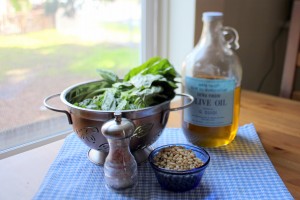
x: 240, y: 170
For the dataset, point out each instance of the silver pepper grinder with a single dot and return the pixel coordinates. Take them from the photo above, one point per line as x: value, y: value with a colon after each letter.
x: 120, y: 167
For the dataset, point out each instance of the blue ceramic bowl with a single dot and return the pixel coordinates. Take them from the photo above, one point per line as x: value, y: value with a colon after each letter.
x: 180, y: 181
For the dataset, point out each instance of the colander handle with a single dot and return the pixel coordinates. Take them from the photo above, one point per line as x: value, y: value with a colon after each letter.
x: 191, y: 98
x: 55, y: 109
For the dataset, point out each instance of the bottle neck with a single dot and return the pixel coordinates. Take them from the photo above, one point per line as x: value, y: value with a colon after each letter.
x: 212, y: 33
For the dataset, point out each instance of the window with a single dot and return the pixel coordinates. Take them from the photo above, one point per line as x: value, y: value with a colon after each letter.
x: 48, y: 45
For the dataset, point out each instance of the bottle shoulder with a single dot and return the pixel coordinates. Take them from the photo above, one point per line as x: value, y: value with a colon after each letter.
x: 213, y: 63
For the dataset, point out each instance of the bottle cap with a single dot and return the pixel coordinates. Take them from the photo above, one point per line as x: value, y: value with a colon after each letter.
x: 207, y: 16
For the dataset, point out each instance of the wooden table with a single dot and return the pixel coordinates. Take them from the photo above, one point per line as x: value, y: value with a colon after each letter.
x: 277, y: 121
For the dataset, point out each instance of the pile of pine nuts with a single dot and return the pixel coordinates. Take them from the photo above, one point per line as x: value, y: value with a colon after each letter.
x: 177, y: 158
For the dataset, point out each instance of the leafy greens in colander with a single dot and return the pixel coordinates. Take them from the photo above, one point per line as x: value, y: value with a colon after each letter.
x: 149, y: 84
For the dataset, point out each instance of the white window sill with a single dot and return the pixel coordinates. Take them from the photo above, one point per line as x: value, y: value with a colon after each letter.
x: 22, y: 174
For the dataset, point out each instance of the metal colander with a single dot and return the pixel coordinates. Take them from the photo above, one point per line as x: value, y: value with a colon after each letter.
x: 149, y: 123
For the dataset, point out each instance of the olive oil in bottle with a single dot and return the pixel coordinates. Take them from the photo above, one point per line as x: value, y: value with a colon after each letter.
x: 212, y: 75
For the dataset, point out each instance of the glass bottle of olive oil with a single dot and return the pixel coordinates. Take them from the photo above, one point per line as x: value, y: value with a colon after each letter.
x: 212, y: 74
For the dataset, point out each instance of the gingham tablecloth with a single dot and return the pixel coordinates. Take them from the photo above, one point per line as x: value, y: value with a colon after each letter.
x: 240, y: 170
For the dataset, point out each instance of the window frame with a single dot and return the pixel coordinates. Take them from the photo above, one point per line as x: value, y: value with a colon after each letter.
x: 159, y: 21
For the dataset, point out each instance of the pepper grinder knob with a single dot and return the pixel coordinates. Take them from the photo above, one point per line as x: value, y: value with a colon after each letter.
x: 120, y: 167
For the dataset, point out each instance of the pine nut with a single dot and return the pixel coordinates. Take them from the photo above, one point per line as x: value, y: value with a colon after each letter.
x: 177, y: 158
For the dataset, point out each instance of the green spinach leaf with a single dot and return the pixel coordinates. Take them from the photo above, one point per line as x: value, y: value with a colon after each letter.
x: 149, y: 84
x: 108, y: 76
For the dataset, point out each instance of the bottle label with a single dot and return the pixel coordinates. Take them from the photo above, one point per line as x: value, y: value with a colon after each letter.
x: 213, y: 105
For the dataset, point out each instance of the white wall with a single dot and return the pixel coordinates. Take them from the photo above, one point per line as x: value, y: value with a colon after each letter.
x: 169, y: 27
x: 181, y: 30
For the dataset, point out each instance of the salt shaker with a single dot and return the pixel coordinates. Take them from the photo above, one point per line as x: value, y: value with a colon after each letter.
x: 120, y: 167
